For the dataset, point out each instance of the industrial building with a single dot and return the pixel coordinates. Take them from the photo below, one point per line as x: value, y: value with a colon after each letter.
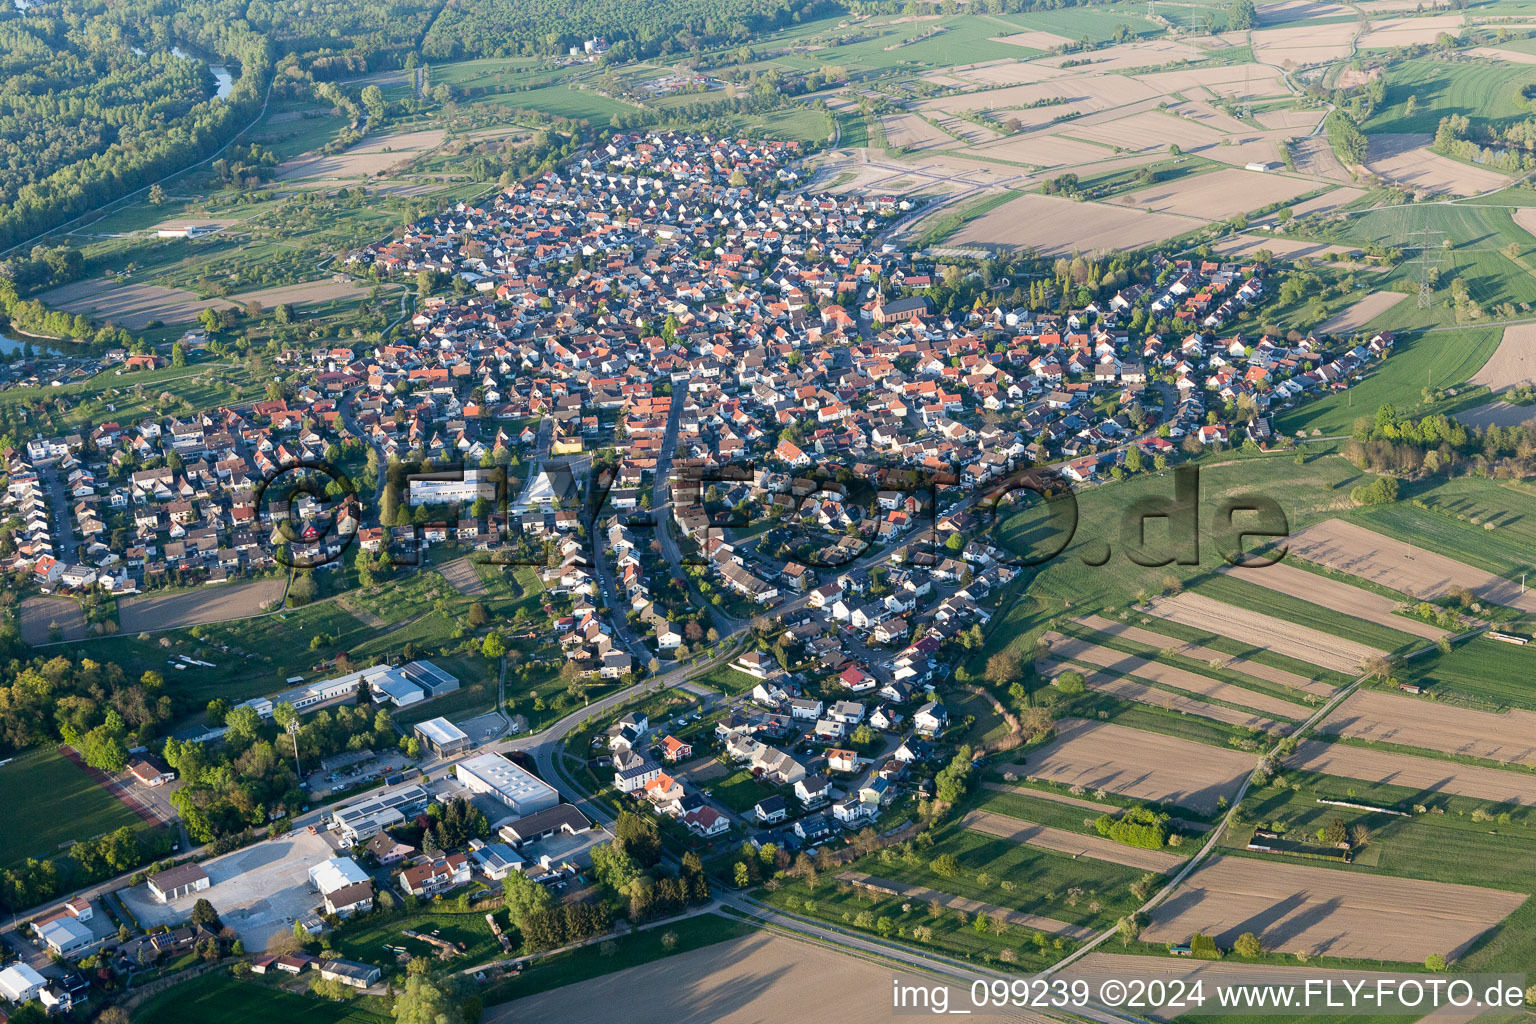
x: 442, y: 737
x: 373, y: 814
x: 494, y: 775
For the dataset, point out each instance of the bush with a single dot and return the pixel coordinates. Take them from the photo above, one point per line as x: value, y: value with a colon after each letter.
x: 1204, y: 947
x: 1248, y: 946
x: 1138, y: 827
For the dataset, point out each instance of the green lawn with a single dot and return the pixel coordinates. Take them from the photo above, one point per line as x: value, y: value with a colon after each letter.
x: 1446, y: 524
x: 740, y: 792
x: 630, y: 950
x: 365, y: 938
x: 58, y: 804
x: 1485, y: 91
x: 564, y: 101
x: 217, y: 998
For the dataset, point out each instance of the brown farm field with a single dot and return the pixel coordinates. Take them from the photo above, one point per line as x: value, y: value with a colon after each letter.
x: 1209, y: 655
x: 1408, y: 160
x: 1514, y: 361
x: 1052, y: 225
x: 214, y: 603
x: 762, y: 977
x: 1357, y: 314
x: 1426, y: 774
x: 1400, y: 566
x: 40, y: 614
x: 1129, y: 689
x: 1508, y: 737
x: 372, y: 155
x: 1169, y: 675
x: 1139, y: 765
x: 135, y: 305
x: 1300, y: 642
x: 1336, y: 596
x: 1071, y: 843
x: 1299, y: 909
x: 1218, y: 194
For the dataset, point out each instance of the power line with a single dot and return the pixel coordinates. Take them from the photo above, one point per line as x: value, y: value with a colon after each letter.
x: 1429, y: 248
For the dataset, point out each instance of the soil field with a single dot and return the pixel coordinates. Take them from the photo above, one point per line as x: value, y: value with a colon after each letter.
x: 1425, y: 774
x: 1285, y: 248
x: 1355, y: 316
x: 461, y: 575
x: 1386, y: 33
x: 1140, y: 765
x: 762, y: 977
x: 1033, y: 40
x: 1498, y: 53
x: 1509, y: 737
x: 1514, y: 361
x: 135, y: 305
x: 908, y: 131
x: 1234, y: 81
x: 1400, y: 566
x: 1071, y: 843
x: 1218, y: 194
x: 372, y: 155
x: 1126, y: 688
x: 1303, y: 44
x: 1498, y: 413
x: 1331, y: 200
x: 1407, y: 160
x: 40, y: 614
x: 206, y: 604
x: 1321, y: 649
x: 1337, y: 597
x: 1051, y: 225
x: 1315, y: 157
x: 1169, y: 675
x: 1149, y: 130
x: 1209, y: 655
x: 1298, y: 909
x: 1018, y: 919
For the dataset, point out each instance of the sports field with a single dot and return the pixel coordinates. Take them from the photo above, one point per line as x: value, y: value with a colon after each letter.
x: 60, y: 803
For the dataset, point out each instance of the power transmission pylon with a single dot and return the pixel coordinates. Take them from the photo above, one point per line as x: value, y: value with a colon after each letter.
x: 1428, y: 259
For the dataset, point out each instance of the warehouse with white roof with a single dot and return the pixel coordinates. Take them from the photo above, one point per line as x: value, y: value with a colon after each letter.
x: 494, y: 775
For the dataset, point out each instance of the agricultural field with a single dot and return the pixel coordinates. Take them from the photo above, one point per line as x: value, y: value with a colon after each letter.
x: 1482, y: 672
x: 1285, y: 637
x: 1138, y: 765
x: 1073, y: 844
x: 217, y: 998
x: 1313, y: 910
x: 1423, y: 774
x: 1337, y: 597
x: 1386, y: 718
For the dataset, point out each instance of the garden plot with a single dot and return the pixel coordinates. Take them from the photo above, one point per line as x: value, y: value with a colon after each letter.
x: 1317, y: 911
x: 1508, y: 737
x: 1336, y: 596
x: 1140, y: 765
x: 1265, y: 631
x: 1357, y: 314
x: 1407, y: 160
x: 1216, y: 195
x: 1017, y: 918
x: 1209, y: 655
x: 1128, y: 689
x: 1514, y: 361
x: 1425, y: 774
x: 1073, y: 649
x: 1399, y: 566
x: 1072, y: 844
x: 1052, y: 225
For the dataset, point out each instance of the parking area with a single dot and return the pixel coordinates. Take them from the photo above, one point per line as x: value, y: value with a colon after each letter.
x: 257, y: 891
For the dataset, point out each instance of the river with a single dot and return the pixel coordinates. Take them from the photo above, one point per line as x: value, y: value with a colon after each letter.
x: 224, y: 80
x: 9, y: 346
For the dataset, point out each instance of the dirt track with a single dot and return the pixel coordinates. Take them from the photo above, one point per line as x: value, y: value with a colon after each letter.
x: 1321, y: 649
x: 214, y: 603
x: 1139, y: 765
x: 1426, y: 774
x: 1072, y: 844
x: 1388, y: 718
x: 1170, y: 675
x: 1400, y: 566
x: 1294, y: 908
x: 1209, y: 655
x: 1336, y: 596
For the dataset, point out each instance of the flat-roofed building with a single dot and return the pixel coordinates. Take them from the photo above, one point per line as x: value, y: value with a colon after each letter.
x: 373, y: 814
x: 442, y: 737
x: 494, y: 775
